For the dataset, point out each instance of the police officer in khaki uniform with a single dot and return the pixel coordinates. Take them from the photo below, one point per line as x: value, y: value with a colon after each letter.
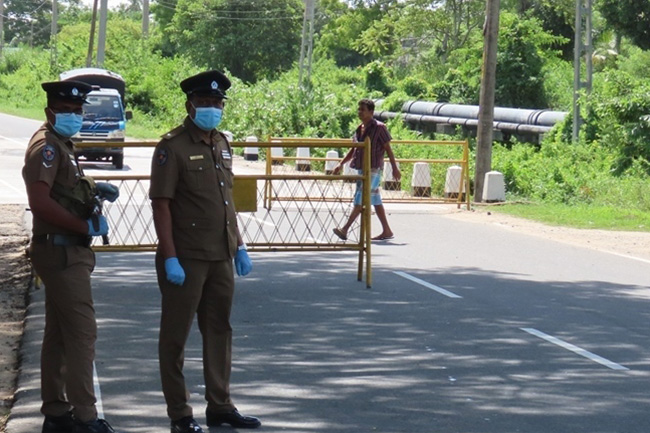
x: 64, y: 207
x: 194, y: 216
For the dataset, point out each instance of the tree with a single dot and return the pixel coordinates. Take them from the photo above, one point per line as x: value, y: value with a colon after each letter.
x: 250, y: 38
x: 28, y: 21
x: 164, y: 13
x: 442, y: 25
x: 631, y: 18
x: 557, y: 17
x: 357, y: 34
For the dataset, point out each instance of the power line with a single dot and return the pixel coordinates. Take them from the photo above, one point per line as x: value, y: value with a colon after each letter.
x: 15, y: 16
x: 217, y: 14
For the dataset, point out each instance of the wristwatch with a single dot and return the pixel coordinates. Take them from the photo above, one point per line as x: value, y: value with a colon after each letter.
x: 241, y: 247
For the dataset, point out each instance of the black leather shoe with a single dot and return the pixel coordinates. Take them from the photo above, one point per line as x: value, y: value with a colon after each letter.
x: 95, y: 426
x: 58, y: 424
x: 234, y: 418
x: 186, y: 425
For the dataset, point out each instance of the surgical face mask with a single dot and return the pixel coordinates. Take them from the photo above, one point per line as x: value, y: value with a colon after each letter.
x: 207, y: 118
x: 67, y: 124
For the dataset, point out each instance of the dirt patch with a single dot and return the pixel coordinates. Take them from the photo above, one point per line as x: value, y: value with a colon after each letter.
x: 15, y: 275
x: 632, y: 244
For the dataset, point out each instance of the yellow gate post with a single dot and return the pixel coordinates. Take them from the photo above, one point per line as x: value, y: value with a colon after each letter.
x: 366, y: 234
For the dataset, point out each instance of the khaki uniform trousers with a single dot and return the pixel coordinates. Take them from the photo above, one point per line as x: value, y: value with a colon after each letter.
x: 68, y: 349
x: 207, y: 291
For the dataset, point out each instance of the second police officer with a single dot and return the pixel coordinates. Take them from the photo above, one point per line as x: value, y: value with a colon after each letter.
x: 64, y: 207
x: 196, y: 224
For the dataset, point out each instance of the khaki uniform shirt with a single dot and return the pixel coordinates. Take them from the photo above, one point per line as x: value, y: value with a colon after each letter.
x: 197, y: 177
x: 50, y: 158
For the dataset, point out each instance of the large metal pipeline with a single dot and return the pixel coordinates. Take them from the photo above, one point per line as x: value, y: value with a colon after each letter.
x: 511, y: 120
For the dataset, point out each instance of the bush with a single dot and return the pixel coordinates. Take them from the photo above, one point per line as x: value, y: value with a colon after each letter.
x: 416, y: 88
x: 377, y: 77
x: 395, y: 101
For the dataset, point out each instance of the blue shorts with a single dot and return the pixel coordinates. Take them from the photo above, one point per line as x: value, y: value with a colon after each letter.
x: 375, y: 180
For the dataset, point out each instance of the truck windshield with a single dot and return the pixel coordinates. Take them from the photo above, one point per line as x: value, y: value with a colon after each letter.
x: 102, y: 107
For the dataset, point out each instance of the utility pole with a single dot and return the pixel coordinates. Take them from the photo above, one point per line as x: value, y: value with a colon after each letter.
x: 2, y: 26
x: 145, y: 19
x: 91, y: 41
x: 101, y: 39
x: 55, y: 30
x: 486, y: 98
x: 307, y: 45
x: 583, y: 45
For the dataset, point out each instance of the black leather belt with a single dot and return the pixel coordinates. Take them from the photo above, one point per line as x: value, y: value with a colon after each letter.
x: 63, y: 240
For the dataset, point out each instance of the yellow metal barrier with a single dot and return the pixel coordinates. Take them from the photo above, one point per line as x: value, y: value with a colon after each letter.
x: 431, y: 184
x: 311, y: 206
x: 281, y: 208
x: 453, y: 154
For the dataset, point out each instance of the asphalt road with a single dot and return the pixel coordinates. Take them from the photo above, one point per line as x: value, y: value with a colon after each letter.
x: 468, y: 328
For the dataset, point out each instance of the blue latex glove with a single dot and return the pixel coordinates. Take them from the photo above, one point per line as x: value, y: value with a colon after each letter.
x: 97, y: 225
x: 174, y: 271
x: 243, y: 264
x: 108, y: 191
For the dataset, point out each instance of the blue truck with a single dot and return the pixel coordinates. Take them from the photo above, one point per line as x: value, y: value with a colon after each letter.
x: 105, y: 114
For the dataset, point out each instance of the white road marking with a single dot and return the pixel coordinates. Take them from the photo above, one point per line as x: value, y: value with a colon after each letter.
x: 20, y: 192
x: 98, y: 393
x: 257, y: 219
x: 575, y: 349
x: 23, y: 142
x: 427, y: 285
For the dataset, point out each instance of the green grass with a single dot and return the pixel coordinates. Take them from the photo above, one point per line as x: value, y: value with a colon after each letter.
x: 134, y: 129
x: 30, y: 113
x: 583, y: 216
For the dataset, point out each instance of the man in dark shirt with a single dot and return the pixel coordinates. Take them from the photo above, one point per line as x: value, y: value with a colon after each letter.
x: 379, y: 146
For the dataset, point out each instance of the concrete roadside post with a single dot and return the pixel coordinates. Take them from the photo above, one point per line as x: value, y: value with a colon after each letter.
x: 332, y: 157
x: 303, y: 164
x: 390, y: 184
x: 453, y: 182
x: 251, y: 153
x: 494, y: 187
x: 421, y: 180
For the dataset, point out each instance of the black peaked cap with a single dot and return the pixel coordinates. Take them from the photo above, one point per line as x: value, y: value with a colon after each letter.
x: 68, y: 90
x: 206, y: 83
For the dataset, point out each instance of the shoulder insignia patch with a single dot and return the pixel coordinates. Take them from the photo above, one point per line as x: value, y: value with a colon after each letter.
x: 49, y: 152
x: 174, y: 132
x: 161, y: 156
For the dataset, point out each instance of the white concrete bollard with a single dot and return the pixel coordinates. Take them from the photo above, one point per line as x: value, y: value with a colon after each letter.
x: 453, y: 180
x: 303, y: 164
x: 228, y: 135
x: 494, y: 187
x: 251, y: 153
x: 332, y: 156
x: 421, y: 181
x: 349, y: 171
x: 390, y: 184
x: 276, y: 152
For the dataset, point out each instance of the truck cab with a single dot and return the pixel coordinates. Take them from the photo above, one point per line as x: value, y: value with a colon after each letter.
x: 104, y: 116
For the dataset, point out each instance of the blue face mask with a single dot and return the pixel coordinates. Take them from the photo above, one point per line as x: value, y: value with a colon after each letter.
x: 207, y: 118
x: 67, y: 124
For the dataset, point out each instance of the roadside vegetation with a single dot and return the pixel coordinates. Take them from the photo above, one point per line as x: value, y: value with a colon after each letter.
x: 382, y: 49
